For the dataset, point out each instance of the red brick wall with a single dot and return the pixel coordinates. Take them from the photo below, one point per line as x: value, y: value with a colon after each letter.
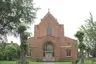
x: 57, y: 39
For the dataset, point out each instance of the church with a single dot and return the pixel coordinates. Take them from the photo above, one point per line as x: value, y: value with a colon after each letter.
x: 49, y: 42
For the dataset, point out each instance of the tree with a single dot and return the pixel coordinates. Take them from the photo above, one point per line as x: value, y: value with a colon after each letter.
x: 18, y: 51
x: 9, y: 52
x: 13, y: 12
x: 88, y: 50
x: 23, y: 39
x: 81, y: 46
x: 1, y: 52
x: 89, y: 29
x: 2, y: 47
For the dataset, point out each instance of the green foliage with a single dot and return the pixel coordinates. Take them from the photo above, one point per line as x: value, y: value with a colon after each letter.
x: 93, y: 52
x: 81, y: 46
x: 16, y: 62
x: 1, y: 53
x: 89, y: 29
x: 25, y: 45
x: 26, y: 35
x: 15, y: 12
x: 23, y: 38
x: 21, y: 28
x: 10, y: 52
x: 79, y: 35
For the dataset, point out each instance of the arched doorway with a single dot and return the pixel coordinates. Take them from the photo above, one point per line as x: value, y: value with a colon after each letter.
x: 48, y: 51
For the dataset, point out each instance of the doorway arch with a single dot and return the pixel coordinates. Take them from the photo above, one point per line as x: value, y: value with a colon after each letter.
x: 48, y: 51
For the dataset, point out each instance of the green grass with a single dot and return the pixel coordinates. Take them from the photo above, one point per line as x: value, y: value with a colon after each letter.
x: 35, y: 63
x: 63, y: 62
x: 14, y: 62
x: 7, y: 62
x: 89, y: 62
x: 85, y: 62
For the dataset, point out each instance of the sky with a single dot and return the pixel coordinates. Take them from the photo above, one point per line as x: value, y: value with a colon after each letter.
x: 71, y: 13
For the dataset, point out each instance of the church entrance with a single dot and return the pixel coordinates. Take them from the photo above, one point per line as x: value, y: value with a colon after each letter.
x: 48, y: 52
x: 48, y: 56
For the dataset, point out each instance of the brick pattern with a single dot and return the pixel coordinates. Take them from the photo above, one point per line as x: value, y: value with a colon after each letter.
x: 59, y: 41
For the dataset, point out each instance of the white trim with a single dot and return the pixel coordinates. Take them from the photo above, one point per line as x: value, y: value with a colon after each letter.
x: 68, y: 56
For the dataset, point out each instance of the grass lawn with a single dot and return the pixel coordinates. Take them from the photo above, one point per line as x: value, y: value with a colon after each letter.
x: 89, y: 62
x: 35, y: 62
x: 63, y: 62
x: 85, y: 62
x: 7, y: 62
x: 14, y: 62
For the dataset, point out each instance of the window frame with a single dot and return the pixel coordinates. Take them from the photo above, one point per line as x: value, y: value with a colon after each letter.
x: 48, y: 30
x: 68, y: 53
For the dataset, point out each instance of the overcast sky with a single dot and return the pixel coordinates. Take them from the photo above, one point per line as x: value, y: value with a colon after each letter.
x: 71, y: 13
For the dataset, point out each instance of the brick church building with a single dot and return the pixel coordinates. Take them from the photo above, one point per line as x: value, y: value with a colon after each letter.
x: 49, y: 42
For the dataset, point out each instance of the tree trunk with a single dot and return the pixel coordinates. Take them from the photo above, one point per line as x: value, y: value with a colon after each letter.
x: 23, y: 61
x: 88, y: 54
x: 82, y: 57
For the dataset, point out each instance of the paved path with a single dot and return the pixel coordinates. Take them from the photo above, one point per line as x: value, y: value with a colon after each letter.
x: 49, y: 63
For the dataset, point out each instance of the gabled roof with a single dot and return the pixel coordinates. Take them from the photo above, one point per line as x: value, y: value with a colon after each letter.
x: 49, y: 16
x: 68, y: 38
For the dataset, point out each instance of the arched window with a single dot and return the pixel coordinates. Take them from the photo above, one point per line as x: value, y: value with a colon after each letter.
x: 68, y: 52
x: 48, y: 48
x: 48, y: 30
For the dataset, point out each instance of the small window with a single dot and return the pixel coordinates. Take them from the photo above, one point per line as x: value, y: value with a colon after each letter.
x: 53, y: 54
x: 48, y: 30
x: 43, y: 54
x: 68, y: 52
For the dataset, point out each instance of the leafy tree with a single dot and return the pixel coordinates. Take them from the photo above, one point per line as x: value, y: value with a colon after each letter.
x: 18, y: 51
x: 13, y: 12
x: 89, y: 30
x: 23, y: 39
x: 88, y: 50
x: 10, y: 52
x: 1, y: 53
x: 81, y: 46
x: 2, y: 47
